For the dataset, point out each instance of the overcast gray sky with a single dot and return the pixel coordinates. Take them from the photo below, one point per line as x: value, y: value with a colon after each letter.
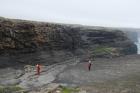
x: 116, y: 13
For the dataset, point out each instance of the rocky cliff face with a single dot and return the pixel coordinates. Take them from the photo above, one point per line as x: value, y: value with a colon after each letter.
x: 19, y: 36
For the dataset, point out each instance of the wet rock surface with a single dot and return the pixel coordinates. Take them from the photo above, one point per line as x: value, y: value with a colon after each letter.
x: 72, y: 74
x: 102, y: 70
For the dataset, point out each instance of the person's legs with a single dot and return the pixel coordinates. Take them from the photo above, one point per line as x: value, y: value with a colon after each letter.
x: 38, y: 71
x: 89, y: 67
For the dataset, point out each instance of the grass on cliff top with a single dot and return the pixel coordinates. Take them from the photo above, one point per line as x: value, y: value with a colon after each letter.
x: 10, y: 89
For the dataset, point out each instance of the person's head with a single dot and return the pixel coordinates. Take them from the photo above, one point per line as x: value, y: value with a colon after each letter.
x: 89, y: 61
x: 38, y: 64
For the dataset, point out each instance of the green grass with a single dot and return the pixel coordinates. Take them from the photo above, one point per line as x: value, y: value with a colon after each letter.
x: 103, y: 49
x: 9, y: 89
x: 69, y: 90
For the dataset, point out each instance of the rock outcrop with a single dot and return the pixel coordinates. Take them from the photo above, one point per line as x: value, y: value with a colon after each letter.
x: 20, y: 36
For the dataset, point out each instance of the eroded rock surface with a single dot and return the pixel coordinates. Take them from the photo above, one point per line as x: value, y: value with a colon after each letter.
x: 19, y: 36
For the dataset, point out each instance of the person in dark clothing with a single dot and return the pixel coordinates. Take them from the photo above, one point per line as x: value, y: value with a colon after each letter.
x: 89, y: 65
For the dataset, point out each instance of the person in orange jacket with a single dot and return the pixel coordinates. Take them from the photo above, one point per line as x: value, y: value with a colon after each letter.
x: 38, y: 69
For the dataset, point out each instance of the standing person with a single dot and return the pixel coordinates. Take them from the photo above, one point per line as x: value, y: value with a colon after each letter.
x: 38, y: 69
x: 89, y: 65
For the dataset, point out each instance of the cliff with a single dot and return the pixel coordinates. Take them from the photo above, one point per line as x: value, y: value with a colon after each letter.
x: 23, y: 37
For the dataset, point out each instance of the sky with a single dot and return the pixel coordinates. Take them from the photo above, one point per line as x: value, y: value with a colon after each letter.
x: 109, y: 13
